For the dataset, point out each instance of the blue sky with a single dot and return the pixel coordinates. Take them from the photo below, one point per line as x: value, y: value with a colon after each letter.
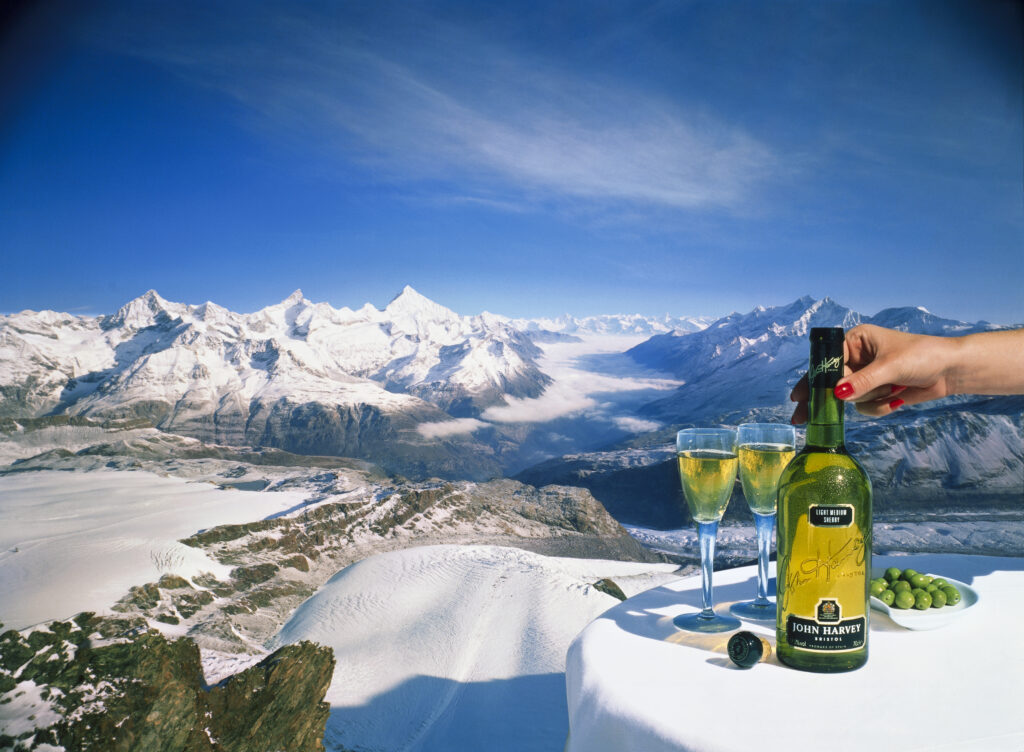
x: 524, y: 158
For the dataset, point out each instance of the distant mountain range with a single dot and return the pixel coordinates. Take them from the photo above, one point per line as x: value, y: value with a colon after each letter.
x: 745, y: 362
x: 631, y: 324
x: 377, y: 384
x: 296, y: 375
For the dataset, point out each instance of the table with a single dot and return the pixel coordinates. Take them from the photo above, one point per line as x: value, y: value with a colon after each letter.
x: 635, y: 682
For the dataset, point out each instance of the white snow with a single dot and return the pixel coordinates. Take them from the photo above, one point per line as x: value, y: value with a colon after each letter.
x: 26, y: 711
x: 218, y: 665
x: 456, y: 647
x: 197, y: 356
x: 72, y: 542
x: 613, y: 323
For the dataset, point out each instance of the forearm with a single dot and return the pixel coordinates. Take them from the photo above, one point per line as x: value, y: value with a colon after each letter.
x: 987, y: 363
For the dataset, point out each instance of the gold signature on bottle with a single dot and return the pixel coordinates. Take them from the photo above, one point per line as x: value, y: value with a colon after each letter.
x: 819, y: 567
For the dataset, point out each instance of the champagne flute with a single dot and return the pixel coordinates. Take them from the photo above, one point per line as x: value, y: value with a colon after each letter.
x: 764, y: 450
x: 707, y: 469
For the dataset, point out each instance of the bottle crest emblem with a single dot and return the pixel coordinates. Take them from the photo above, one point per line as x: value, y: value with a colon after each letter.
x: 828, y: 610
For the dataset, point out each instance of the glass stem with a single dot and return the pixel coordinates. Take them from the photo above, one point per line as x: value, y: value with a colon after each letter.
x: 707, y: 532
x: 765, y: 525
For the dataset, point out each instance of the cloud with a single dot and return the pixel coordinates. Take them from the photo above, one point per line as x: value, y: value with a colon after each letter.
x: 636, y: 425
x: 434, y: 101
x: 578, y: 385
x: 449, y: 427
x: 558, y: 401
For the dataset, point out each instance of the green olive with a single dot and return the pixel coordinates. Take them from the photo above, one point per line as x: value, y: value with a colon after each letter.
x: 892, y: 574
x: 939, y: 581
x: 938, y: 598
x: 932, y: 588
x: 901, y: 586
x: 922, y: 601
x: 906, y: 574
x: 952, y: 595
x: 888, y: 596
x: 903, y: 599
x: 877, y: 588
x: 920, y: 580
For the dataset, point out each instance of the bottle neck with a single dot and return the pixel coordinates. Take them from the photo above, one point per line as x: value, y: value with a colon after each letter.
x: 825, y: 425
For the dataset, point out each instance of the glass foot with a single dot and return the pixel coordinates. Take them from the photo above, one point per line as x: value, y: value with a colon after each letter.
x: 754, y: 610
x: 701, y: 623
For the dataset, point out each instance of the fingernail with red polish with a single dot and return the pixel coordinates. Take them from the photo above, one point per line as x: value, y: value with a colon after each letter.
x: 895, y: 403
x: 843, y: 390
x: 897, y: 388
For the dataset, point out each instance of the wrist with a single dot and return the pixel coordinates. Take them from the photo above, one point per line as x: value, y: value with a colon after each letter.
x: 954, y: 355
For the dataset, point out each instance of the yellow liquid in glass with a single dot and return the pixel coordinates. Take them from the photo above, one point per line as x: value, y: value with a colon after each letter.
x: 708, y: 477
x: 760, y: 468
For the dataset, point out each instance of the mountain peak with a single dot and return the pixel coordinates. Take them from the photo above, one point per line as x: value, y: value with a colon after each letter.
x: 142, y: 311
x: 408, y: 296
x: 149, y: 299
x: 295, y: 297
x: 410, y: 302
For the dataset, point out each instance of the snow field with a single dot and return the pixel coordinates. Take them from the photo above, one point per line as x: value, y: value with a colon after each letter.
x: 455, y: 647
x: 72, y: 542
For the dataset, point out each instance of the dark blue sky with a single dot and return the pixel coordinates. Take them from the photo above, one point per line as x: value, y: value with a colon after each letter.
x: 524, y: 158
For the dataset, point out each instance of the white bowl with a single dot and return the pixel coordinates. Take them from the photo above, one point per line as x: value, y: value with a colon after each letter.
x: 932, y: 618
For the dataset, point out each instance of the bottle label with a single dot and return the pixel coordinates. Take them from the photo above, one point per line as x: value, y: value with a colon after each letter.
x: 832, y: 634
x: 821, y: 370
x: 832, y: 515
x: 822, y: 599
x: 826, y: 367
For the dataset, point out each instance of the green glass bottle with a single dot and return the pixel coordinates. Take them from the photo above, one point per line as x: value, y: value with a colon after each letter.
x: 824, y: 534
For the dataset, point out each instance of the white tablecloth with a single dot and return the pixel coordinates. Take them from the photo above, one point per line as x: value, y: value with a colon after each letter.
x: 635, y: 682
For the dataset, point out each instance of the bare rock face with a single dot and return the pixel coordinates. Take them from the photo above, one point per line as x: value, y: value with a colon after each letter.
x: 276, y: 704
x: 110, y: 684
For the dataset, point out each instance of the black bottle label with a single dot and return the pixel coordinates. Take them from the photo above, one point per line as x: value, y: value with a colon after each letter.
x: 830, y: 515
x: 826, y: 358
x: 832, y: 634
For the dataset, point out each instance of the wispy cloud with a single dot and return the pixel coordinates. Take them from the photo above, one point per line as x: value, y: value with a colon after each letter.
x: 580, y: 385
x: 636, y: 425
x: 449, y: 427
x: 558, y: 401
x: 448, y: 104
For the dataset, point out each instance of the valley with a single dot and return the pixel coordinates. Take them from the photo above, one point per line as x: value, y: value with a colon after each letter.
x: 411, y: 482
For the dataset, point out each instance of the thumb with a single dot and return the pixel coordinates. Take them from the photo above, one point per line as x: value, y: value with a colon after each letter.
x: 861, y: 383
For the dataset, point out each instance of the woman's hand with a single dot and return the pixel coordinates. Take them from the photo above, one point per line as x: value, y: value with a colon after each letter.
x: 881, y: 364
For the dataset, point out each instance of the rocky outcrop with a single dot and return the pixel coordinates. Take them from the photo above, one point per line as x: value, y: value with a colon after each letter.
x: 610, y: 587
x: 363, y: 431
x: 636, y: 487
x: 107, y: 684
x: 276, y: 704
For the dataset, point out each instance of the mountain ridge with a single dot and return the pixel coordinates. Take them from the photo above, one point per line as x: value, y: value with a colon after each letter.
x: 411, y: 386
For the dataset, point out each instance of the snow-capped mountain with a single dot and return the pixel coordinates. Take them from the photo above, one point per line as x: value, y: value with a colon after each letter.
x: 750, y: 361
x: 385, y: 385
x: 299, y: 375
x: 611, y: 324
x: 742, y: 367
